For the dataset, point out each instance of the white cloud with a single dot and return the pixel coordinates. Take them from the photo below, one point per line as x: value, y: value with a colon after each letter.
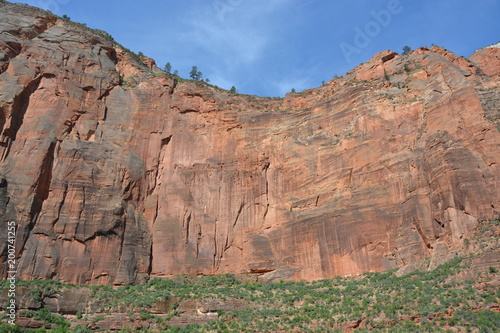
x: 232, y: 44
x: 236, y: 31
x: 221, y: 81
x: 285, y: 85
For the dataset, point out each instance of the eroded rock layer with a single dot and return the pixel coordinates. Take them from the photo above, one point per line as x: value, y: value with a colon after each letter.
x: 115, y: 171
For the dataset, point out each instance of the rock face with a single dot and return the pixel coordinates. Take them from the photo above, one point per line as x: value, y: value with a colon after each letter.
x: 114, y: 171
x: 488, y: 59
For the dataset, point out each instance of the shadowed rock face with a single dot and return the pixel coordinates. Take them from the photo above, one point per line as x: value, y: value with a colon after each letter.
x: 114, y: 171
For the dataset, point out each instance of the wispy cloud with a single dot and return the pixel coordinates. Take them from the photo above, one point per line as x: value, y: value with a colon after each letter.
x: 223, y: 81
x: 299, y: 82
x: 268, y: 47
x: 227, y: 42
x: 238, y: 32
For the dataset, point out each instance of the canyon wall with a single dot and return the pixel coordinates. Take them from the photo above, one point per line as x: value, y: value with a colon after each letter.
x: 115, y: 171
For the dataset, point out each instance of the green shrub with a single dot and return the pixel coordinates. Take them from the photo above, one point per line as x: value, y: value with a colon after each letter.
x: 81, y: 329
x: 6, y: 328
x: 45, y: 315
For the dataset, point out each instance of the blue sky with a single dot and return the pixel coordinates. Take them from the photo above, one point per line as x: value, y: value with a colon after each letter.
x: 268, y: 47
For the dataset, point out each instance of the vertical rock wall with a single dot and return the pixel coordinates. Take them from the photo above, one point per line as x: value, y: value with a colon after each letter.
x: 114, y: 171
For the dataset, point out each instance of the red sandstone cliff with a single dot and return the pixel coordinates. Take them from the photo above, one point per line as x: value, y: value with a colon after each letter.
x: 114, y: 171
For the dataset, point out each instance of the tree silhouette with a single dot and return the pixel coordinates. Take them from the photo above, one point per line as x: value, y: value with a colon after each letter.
x: 406, y: 50
x: 195, y: 74
x: 168, y: 67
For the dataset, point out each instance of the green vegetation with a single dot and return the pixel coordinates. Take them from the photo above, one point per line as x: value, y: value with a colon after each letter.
x: 168, y: 67
x: 44, y: 315
x: 6, y: 328
x: 386, y: 77
x: 140, y: 296
x: 383, y: 302
x: 195, y: 74
x: 425, y: 301
x: 130, y: 82
x: 406, y: 50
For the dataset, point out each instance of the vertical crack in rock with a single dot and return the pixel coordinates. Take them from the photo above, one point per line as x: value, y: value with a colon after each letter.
x: 218, y: 254
x: 150, y: 251
x: 61, y: 204
x: 82, y: 206
x: 19, y: 108
x: 187, y: 224
x: 122, y: 240
x: 41, y: 189
x: 4, y: 198
x: 242, y: 204
x: 199, y: 236
x: 13, y: 50
x: 5, y: 145
x: 174, y: 85
x: 150, y: 264
x: 105, y: 113
x: 422, y: 234
x: 152, y: 175
x: 440, y: 229
x: 228, y: 244
x: 215, y: 261
x: 163, y: 147
x: 266, y: 169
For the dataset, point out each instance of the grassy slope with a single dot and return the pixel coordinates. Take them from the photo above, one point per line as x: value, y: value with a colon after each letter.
x: 420, y: 301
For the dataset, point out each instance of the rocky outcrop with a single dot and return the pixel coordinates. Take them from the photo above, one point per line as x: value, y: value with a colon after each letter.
x: 488, y: 59
x: 115, y: 171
